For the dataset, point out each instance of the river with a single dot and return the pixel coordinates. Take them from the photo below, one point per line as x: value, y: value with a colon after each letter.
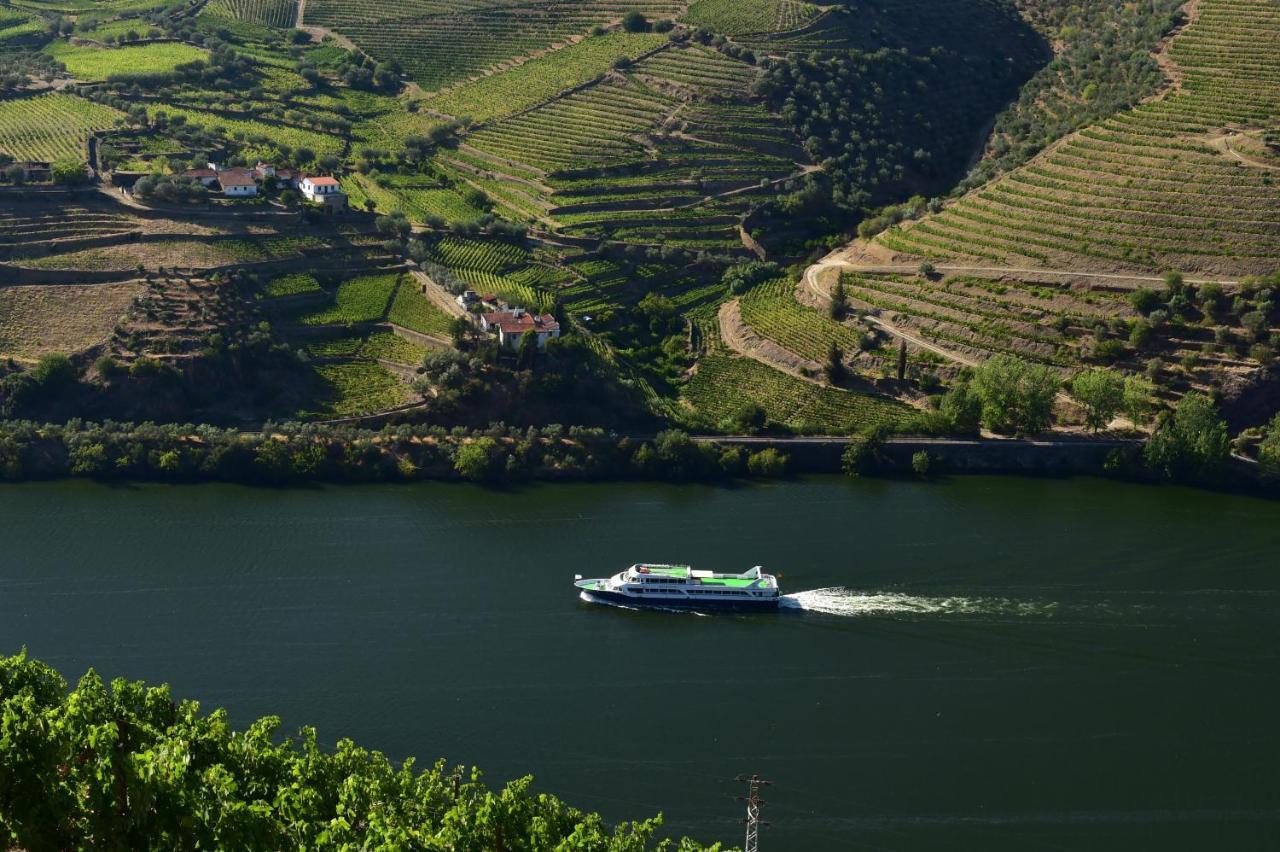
x: 982, y: 664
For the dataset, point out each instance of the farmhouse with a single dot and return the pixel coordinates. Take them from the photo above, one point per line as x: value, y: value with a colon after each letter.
x: 512, y: 325
x: 237, y: 183
x: 206, y: 176
x: 323, y: 190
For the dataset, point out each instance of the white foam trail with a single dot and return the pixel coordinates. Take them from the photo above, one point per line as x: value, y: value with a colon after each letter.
x: 838, y: 600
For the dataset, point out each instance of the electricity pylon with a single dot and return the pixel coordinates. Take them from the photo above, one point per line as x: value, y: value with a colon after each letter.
x: 754, y: 802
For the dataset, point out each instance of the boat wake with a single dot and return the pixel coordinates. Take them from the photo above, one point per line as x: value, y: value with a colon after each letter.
x: 838, y: 600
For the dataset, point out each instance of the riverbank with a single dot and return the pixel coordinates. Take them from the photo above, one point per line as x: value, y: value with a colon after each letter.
x: 282, y: 454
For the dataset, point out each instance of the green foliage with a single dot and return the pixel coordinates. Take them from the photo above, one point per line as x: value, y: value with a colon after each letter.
x: 1101, y: 392
x: 1269, y: 451
x: 962, y: 408
x: 768, y: 462
x: 1017, y: 397
x: 476, y: 460
x: 864, y: 452
x: 921, y: 461
x: 1190, y: 444
x: 635, y: 22
x: 741, y: 277
x: 94, y: 63
x: 1139, y: 399
x: 364, y: 298
x: 125, y: 767
x: 69, y: 171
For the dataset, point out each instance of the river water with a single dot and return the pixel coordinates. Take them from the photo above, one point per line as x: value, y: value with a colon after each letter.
x: 982, y: 664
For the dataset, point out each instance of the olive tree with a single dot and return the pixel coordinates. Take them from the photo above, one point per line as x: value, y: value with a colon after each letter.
x: 1016, y: 396
x: 1101, y: 392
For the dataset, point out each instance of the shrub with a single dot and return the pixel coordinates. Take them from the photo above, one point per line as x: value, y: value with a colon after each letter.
x: 1139, y: 397
x: 768, y: 462
x: 1192, y: 443
x: 1144, y: 300
x: 635, y: 22
x: 475, y: 460
x: 862, y: 455
x: 920, y: 462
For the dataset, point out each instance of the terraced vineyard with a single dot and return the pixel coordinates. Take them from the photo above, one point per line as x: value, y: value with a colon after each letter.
x: 28, y: 225
x: 539, y: 79
x: 751, y: 17
x: 416, y: 312
x: 269, y: 13
x: 440, y: 42
x: 700, y: 69
x: 497, y: 268
x: 273, y: 133
x: 1151, y: 188
x: 593, y: 126
x: 100, y: 63
x: 772, y: 311
x: 724, y: 384
x: 418, y: 198
x: 979, y: 318
x: 351, y: 388
x: 50, y: 126
x: 364, y: 298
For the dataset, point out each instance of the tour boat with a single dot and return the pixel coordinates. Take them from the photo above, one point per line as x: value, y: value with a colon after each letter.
x: 679, y: 586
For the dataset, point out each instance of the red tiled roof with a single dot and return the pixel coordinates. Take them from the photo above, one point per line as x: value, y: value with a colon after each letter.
x: 323, y: 181
x: 511, y: 323
x: 229, y: 178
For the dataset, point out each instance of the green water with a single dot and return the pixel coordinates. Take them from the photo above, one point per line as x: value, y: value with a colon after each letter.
x: 1013, y: 664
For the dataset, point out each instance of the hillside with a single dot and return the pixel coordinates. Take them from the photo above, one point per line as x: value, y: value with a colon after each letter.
x: 1145, y: 241
x: 608, y: 161
x: 645, y: 174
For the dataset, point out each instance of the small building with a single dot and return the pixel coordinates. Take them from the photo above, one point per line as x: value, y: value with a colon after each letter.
x: 466, y: 297
x: 237, y: 183
x: 262, y: 170
x: 512, y: 325
x: 323, y: 190
x: 286, y: 178
x: 208, y: 177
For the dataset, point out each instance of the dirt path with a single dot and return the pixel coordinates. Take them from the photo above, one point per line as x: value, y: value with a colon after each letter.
x: 739, y: 337
x: 437, y: 294
x: 835, y: 261
x: 320, y: 33
x: 1172, y: 73
x: 1223, y: 144
x: 914, y: 340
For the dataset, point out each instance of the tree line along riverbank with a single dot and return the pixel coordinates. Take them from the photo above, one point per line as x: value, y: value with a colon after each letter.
x: 1191, y: 445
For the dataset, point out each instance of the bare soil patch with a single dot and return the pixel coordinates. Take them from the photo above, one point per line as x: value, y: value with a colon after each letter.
x: 38, y: 320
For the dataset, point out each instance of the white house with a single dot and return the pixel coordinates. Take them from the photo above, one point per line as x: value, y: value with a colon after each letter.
x: 237, y: 183
x: 322, y: 190
x: 208, y: 177
x: 511, y: 326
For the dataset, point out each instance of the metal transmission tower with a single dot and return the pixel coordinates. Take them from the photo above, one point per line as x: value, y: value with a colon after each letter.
x: 753, y: 800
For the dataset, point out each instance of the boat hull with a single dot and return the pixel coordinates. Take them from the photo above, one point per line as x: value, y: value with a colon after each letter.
x: 700, y: 605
